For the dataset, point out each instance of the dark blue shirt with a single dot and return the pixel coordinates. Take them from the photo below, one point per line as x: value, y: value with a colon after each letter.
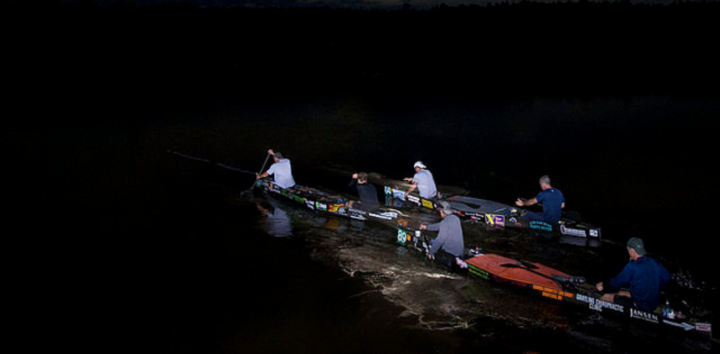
x: 367, y: 193
x: 646, y: 277
x: 552, y: 200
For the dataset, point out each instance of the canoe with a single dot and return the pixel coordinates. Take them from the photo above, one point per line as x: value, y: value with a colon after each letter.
x: 494, y: 214
x: 550, y: 283
x: 556, y: 285
x: 334, y: 204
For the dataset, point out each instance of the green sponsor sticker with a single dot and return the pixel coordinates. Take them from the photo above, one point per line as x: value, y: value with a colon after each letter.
x: 479, y: 272
x: 401, y: 236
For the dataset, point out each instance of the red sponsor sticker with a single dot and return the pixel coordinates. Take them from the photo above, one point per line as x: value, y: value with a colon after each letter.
x: 703, y: 327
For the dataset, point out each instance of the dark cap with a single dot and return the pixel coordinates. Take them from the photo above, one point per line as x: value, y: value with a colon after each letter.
x: 637, y: 244
x: 278, y: 155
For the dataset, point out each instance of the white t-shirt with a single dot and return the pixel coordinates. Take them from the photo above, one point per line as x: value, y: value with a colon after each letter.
x: 425, y: 184
x: 282, y: 173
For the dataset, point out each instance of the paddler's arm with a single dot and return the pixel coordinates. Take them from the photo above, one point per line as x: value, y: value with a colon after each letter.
x: 257, y: 176
x: 618, y: 282
x: 607, y: 296
x: 519, y: 202
x: 431, y: 227
x: 353, y: 182
x: 440, y: 240
x: 412, y: 188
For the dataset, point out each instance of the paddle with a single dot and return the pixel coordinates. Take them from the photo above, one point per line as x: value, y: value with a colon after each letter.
x: 261, y: 168
x: 248, y: 193
x: 529, y: 267
x: 528, y: 264
x: 200, y: 159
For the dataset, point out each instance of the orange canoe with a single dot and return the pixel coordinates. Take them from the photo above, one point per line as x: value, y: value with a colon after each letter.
x: 525, y: 273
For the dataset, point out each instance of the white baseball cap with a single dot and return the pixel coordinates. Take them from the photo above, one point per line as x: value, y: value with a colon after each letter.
x: 420, y: 164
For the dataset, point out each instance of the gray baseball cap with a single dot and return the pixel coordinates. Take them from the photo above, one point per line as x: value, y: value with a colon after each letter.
x: 444, y: 206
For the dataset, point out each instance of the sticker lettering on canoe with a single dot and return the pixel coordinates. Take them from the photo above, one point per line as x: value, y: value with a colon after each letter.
x: 402, y: 236
x: 428, y: 204
x: 553, y: 293
x: 479, y: 272
x: 495, y: 220
x: 540, y: 225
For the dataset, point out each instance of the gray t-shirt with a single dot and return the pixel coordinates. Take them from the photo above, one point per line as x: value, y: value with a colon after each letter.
x: 450, y: 236
x: 425, y: 184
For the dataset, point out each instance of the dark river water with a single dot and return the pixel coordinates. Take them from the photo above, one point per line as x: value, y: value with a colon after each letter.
x: 160, y: 254
x: 118, y: 246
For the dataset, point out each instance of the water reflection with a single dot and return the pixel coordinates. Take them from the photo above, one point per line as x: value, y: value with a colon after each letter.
x: 274, y: 220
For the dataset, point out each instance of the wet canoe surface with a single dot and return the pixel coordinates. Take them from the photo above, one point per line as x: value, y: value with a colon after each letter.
x: 507, y: 269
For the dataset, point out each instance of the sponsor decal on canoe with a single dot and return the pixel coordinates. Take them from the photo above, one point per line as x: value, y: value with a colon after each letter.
x: 336, y: 208
x: 297, y: 198
x: 703, y: 327
x: 427, y: 204
x: 413, y: 199
x: 473, y: 215
x: 595, y: 232
x: 274, y: 188
x: 320, y: 206
x: 540, y: 225
x: 390, y: 214
x: 381, y: 216
x: 597, y: 304
x: 310, y: 204
x: 495, y: 220
x: 553, y: 293
x: 402, y: 236
x: 634, y: 313
x: 357, y: 214
x: 572, y: 231
x: 395, y: 193
x: 479, y: 272
x: 682, y: 325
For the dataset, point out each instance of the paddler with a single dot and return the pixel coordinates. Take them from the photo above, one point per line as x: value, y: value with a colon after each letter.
x: 449, y: 242
x: 552, y: 200
x: 281, y: 171
x: 366, y: 191
x: 644, y: 275
x: 423, y: 181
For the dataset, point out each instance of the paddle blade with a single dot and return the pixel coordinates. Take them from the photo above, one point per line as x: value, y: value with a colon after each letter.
x: 523, y: 265
x: 247, y: 194
x: 528, y: 264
